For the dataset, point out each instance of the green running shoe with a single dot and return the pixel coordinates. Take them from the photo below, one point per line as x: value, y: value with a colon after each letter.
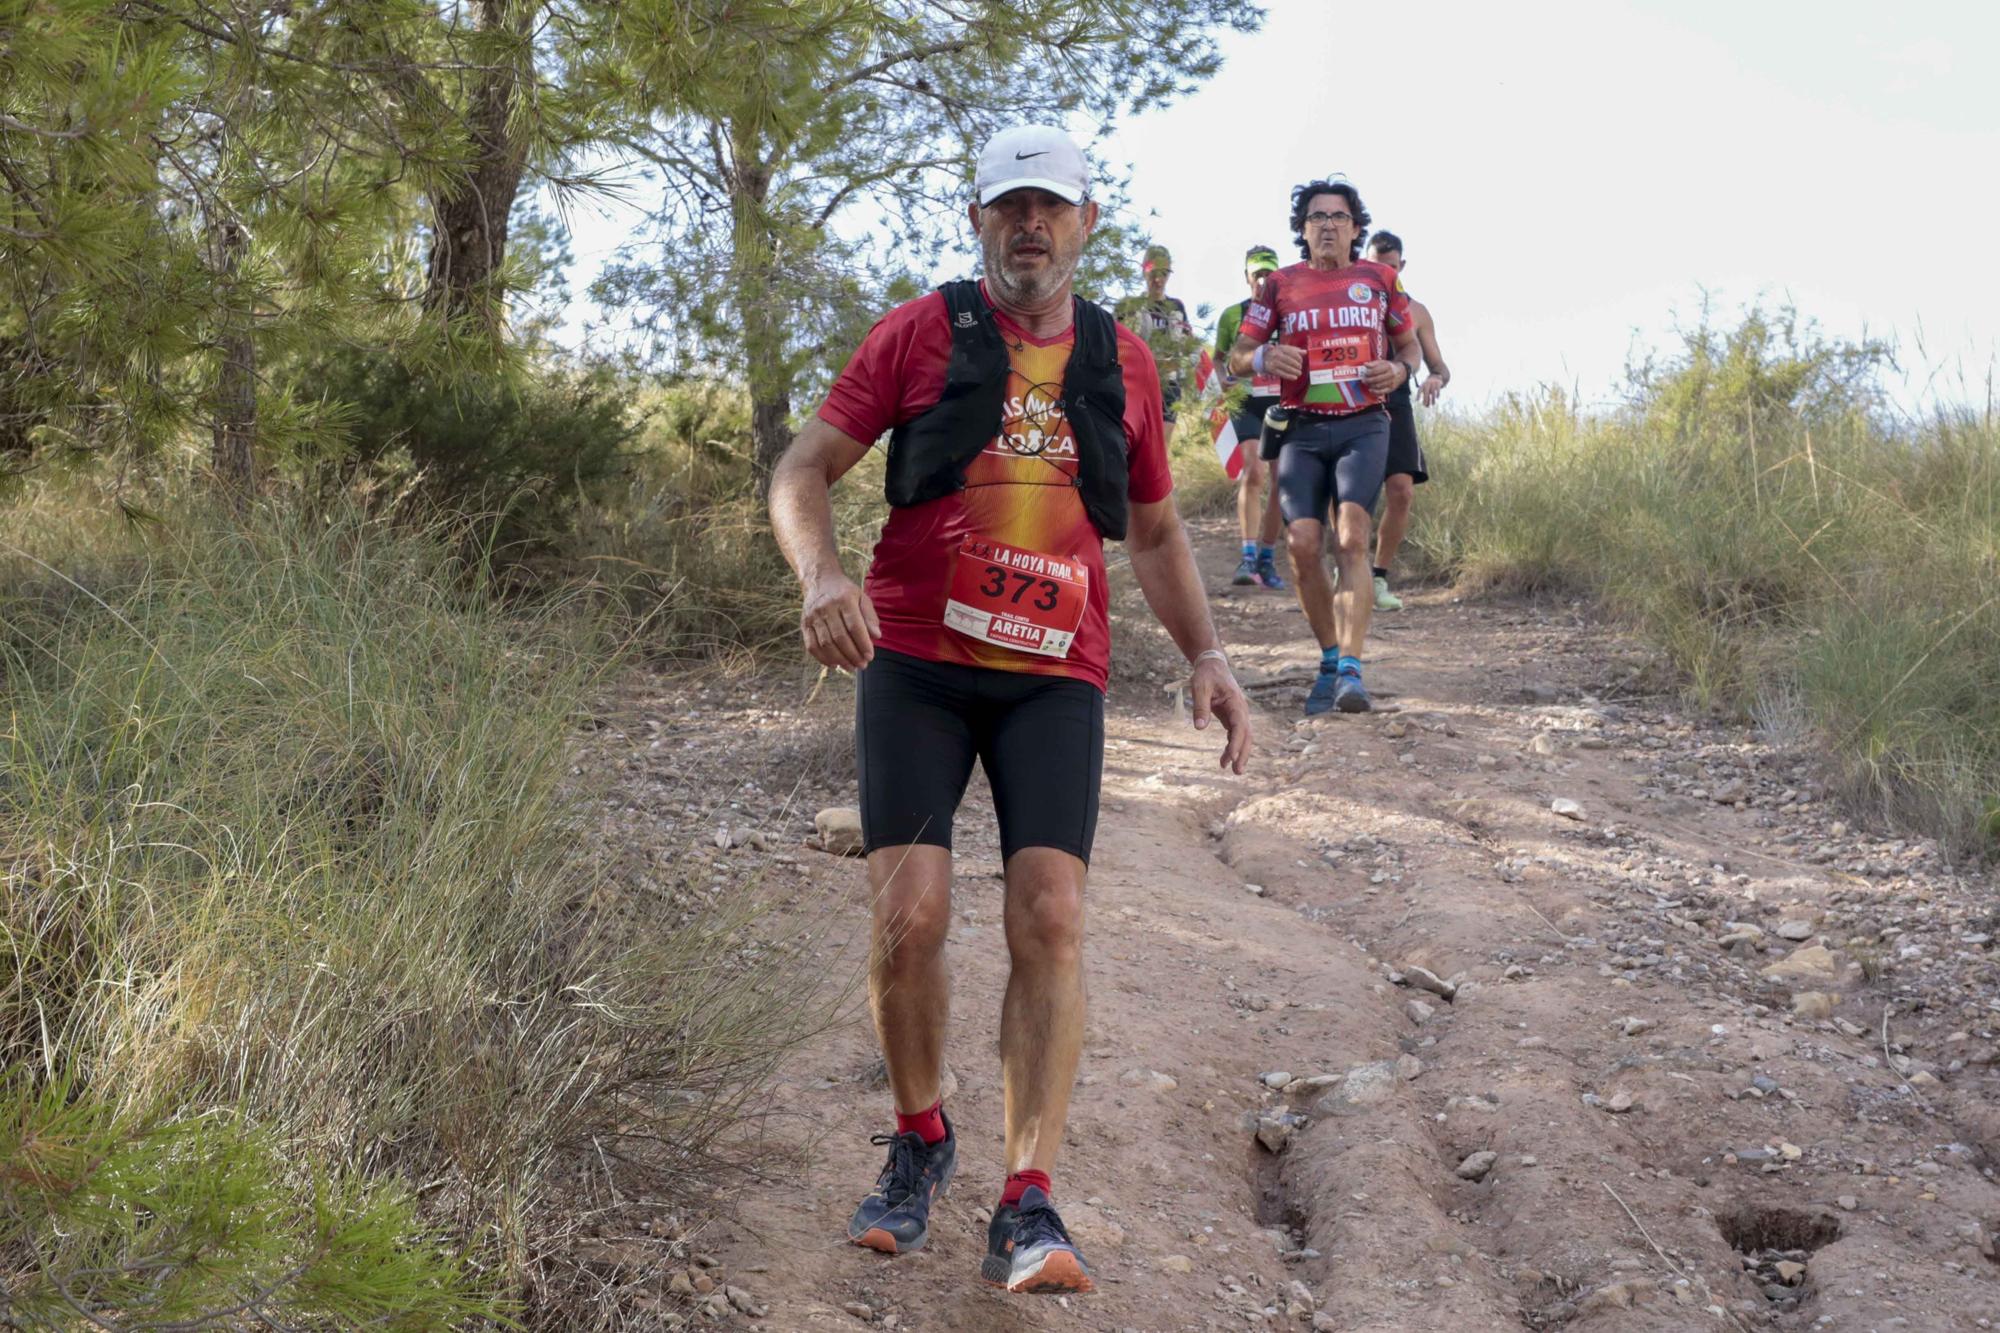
x: 1384, y: 599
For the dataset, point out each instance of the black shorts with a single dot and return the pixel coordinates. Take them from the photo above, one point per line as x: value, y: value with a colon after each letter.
x: 1329, y: 460
x: 918, y: 726
x: 1406, y: 455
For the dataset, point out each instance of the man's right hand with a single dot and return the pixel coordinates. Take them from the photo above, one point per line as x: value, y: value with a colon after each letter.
x: 839, y: 624
x: 1285, y: 362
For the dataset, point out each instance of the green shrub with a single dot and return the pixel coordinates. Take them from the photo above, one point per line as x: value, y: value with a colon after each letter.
x: 288, y: 830
x: 1757, y: 515
x: 524, y: 444
x: 682, y: 544
x: 135, y: 1222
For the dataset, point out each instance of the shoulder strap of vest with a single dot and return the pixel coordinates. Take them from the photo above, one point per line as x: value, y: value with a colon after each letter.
x: 1096, y: 332
x: 978, y: 352
x: 963, y: 304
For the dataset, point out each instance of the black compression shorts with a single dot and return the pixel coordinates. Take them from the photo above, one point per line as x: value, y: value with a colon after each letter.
x: 1406, y: 455
x: 918, y: 726
x: 1329, y: 460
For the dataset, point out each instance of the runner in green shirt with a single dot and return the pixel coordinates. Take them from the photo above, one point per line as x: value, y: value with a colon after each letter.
x: 1260, y: 524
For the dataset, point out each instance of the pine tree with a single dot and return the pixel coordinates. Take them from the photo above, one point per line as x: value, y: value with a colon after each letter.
x: 864, y: 106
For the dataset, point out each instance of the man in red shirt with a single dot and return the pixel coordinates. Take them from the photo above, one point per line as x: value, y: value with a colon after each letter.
x: 1345, y: 340
x: 1025, y: 429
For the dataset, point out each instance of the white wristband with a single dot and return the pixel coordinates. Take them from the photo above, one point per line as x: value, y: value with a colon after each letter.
x: 1206, y: 653
x: 1257, y: 359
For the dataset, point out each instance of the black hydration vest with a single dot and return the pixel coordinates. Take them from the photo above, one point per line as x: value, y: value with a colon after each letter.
x: 928, y: 454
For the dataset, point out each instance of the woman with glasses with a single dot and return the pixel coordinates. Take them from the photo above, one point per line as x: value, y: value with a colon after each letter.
x: 1344, y: 341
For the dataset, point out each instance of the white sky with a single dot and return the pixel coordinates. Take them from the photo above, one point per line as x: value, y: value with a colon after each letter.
x: 1570, y: 177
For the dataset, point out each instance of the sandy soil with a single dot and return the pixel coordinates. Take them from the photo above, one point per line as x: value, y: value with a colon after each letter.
x: 1734, y: 1060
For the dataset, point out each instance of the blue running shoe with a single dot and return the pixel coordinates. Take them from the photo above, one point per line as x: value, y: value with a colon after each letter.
x: 1246, y: 572
x: 1028, y: 1249
x: 895, y: 1217
x: 1348, y: 694
x: 1267, y: 570
x: 1320, y: 698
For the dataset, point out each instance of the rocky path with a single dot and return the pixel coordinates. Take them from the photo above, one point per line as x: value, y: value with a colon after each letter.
x: 1528, y: 1002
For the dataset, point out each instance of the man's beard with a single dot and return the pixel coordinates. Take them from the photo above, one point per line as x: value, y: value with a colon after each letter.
x: 1022, y: 289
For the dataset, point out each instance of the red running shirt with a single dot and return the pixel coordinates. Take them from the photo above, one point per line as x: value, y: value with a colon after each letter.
x: 1341, y: 319
x: 1019, y: 491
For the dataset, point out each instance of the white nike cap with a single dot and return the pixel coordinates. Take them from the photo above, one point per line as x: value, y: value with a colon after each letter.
x: 1038, y: 157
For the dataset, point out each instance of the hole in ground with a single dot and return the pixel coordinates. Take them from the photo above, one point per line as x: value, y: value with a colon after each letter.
x: 1752, y: 1227
x: 1776, y: 1244
x: 1270, y: 1200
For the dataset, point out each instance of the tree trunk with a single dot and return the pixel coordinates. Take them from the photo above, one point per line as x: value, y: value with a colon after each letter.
x: 233, y: 454
x: 770, y: 433
x: 766, y: 309
x: 469, y: 221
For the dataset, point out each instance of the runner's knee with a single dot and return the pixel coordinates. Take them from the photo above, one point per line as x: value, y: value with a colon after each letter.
x: 912, y: 916
x: 1352, y: 538
x: 1398, y: 490
x: 1045, y: 919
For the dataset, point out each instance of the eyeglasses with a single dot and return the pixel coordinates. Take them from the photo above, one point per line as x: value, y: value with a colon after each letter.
x: 1318, y: 219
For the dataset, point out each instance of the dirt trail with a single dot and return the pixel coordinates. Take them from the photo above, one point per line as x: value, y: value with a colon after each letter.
x: 1657, y: 1109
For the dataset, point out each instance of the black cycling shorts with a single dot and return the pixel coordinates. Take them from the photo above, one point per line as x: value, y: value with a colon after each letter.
x: 1330, y: 460
x: 1406, y: 455
x: 918, y: 726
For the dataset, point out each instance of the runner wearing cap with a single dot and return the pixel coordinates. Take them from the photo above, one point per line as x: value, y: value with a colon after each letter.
x: 1163, y: 322
x: 1344, y: 341
x: 1407, y: 467
x: 1024, y: 430
x: 1260, y: 525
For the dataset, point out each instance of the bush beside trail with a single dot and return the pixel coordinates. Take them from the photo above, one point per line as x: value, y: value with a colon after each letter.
x: 310, y: 984
x: 1802, y: 556
x: 680, y: 545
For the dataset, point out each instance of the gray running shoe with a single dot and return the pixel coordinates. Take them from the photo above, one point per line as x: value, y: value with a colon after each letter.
x: 1027, y: 1249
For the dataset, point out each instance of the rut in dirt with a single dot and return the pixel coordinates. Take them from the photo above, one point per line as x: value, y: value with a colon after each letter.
x: 1637, y: 1108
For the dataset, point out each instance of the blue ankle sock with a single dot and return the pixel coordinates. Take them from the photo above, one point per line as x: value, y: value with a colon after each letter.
x: 1349, y: 666
x: 1249, y: 550
x: 1267, y: 553
x: 1329, y: 661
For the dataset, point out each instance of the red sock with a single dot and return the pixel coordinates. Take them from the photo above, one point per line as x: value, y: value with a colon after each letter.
x: 927, y: 1124
x: 1018, y: 1183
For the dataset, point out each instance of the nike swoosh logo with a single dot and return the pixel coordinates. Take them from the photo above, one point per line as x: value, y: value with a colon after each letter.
x: 1023, y: 157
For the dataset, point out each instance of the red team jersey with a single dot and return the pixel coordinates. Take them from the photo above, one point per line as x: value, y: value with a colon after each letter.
x: 1019, y: 496
x: 1340, y: 319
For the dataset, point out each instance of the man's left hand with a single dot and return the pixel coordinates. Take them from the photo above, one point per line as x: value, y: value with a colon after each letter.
x: 1214, y: 692
x: 1382, y: 377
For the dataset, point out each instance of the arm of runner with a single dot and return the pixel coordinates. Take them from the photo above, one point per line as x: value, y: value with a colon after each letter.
x: 1433, y: 358
x: 839, y: 624
x: 1164, y: 565
x: 1225, y: 338
x: 1383, y: 377
x: 1279, y: 360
